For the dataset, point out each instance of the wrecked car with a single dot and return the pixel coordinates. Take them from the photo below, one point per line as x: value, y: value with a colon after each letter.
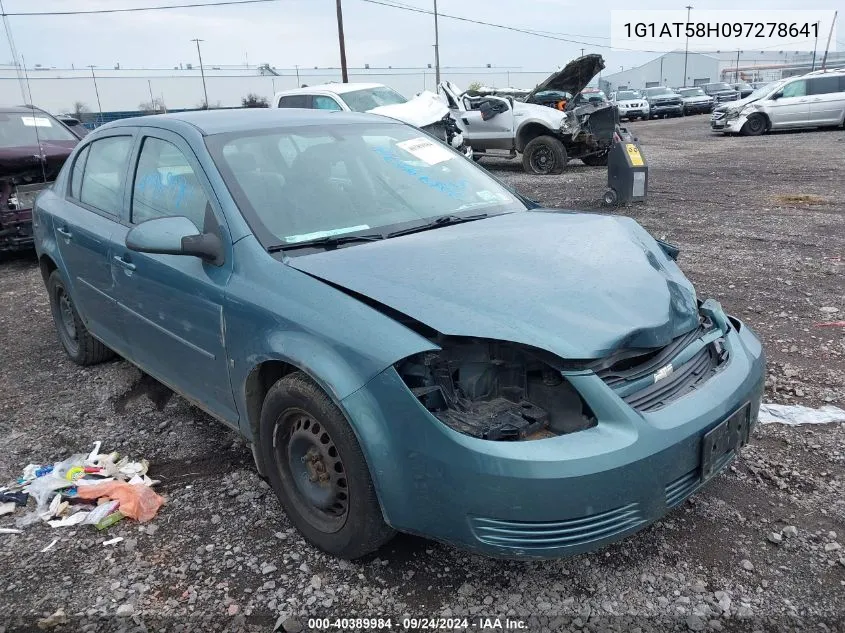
x: 426, y: 110
x: 547, y: 138
x: 33, y: 148
x: 406, y: 344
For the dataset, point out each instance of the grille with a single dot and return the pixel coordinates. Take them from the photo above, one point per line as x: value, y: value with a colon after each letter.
x: 681, y: 488
x: 568, y: 533
x: 628, y: 373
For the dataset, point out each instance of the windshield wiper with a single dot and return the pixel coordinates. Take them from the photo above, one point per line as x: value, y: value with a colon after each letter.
x: 443, y: 220
x: 329, y: 241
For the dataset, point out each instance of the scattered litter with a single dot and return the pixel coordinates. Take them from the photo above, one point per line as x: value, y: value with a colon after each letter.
x: 794, y: 414
x: 830, y: 324
x: 113, y: 541
x: 50, y: 546
x: 57, y: 619
x: 96, y: 488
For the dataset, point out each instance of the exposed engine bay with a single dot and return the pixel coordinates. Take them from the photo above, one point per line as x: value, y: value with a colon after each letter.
x: 495, y: 391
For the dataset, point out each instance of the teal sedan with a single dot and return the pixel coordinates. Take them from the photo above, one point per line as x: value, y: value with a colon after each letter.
x: 406, y: 344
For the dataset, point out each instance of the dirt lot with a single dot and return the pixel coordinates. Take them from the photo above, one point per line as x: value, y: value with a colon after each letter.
x: 760, y: 226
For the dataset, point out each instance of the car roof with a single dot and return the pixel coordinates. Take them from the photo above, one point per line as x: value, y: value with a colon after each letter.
x: 336, y: 88
x: 22, y: 108
x: 210, y: 122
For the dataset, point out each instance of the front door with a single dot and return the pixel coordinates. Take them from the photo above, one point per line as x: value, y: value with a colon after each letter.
x: 792, y: 108
x: 496, y: 132
x: 174, y: 303
x: 85, y: 231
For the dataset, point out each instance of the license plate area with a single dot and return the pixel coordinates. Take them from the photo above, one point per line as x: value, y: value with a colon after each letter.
x: 721, y: 443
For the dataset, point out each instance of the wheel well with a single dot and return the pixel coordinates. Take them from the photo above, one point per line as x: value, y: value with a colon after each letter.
x: 765, y: 118
x: 258, y: 383
x: 529, y: 132
x: 47, y: 266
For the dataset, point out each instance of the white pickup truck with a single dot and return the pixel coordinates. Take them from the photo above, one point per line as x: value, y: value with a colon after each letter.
x: 547, y: 137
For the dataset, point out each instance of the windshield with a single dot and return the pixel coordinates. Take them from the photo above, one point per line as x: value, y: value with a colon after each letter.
x: 306, y: 183
x: 764, y: 90
x: 717, y: 87
x: 653, y: 92
x: 18, y: 129
x: 625, y: 95
x: 369, y: 98
x: 693, y: 92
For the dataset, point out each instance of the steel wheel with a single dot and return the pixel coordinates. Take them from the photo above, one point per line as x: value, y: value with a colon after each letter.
x: 754, y: 126
x: 309, y: 459
x: 67, y: 322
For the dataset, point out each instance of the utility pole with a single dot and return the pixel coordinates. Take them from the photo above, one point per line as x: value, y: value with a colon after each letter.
x: 736, y: 74
x: 97, y: 92
x: 582, y: 52
x: 826, y: 48
x: 661, y: 70
x: 344, y: 73
x: 436, y: 49
x: 815, y: 46
x: 686, y: 49
x: 297, y: 77
x: 202, y: 71
x: 152, y: 99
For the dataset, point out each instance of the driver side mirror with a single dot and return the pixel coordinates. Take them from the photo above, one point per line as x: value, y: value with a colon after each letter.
x: 175, y: 236
x: 777, y: 95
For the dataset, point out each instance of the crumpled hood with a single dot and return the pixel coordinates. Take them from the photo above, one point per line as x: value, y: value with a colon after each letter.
x: 578, y: 285
x: 424, y: 109
x: 574, y: 77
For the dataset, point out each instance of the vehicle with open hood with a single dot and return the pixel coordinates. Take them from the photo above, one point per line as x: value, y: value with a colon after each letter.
x: 546, y: 137
x: 33, y: 147
x: 406, y: 344
x: 426, y: 110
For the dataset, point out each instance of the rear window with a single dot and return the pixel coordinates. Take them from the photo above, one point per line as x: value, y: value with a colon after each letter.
x: 295, y: 101
x: 825, y: 85
x: 20, y: 129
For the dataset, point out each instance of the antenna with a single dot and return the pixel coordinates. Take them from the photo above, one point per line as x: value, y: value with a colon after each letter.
x: 12, y: 47
x: 41, y: 157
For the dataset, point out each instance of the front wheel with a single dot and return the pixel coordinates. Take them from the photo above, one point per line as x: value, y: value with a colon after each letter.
x: 318, y: 471
x: 754, y: 126
x: 544, y: 155
x: 80, y: 346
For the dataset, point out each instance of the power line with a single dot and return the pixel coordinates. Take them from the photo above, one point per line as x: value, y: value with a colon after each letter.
x: 221, y: 3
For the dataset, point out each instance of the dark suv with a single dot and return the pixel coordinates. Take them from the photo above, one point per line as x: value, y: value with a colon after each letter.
x: 33, y: 147
x: 721, y: 92
x: 663, y: 102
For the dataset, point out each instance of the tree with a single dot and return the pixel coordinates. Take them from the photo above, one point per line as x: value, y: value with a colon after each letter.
x: 252, y: 100
x: 202, y: 105
x: 153, y: 107
x: 475, y: 85
x: 80, y: 111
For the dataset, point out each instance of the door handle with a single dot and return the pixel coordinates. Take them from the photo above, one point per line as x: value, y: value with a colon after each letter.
x: 64, y: 233
x: 123, y: 263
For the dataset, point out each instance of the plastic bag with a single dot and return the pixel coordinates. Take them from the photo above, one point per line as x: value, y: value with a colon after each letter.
x: 137, y: 501
x: 793, y: 414
x: 100, y: 512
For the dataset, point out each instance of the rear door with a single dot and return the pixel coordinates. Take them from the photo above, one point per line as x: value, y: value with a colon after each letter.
x: 792, y: 108
x: 827, y: 99
x: 173, y: 304
x: 89, y: 221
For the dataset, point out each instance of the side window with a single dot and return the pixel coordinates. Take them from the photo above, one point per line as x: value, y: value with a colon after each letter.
x: 78, y: 169
x: 325, y: 103
x: 166, y: 185
x: 295, y: 101
x: 823, y: 85
x: 104, y: 171
x: 795, y: 89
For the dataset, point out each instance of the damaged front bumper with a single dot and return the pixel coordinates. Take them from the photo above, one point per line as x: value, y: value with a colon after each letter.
x: 724, y: 122
x: 551, y: 497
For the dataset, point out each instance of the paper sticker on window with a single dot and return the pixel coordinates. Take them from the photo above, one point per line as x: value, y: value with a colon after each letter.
x: 427, y: 151
x: 36, y: 121
x: 305, y: 237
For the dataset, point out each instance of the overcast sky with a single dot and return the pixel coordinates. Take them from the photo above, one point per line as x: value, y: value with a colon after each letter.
x: 304, y: 32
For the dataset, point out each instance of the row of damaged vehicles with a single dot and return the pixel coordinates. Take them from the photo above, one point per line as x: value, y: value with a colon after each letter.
x: 558, y: 121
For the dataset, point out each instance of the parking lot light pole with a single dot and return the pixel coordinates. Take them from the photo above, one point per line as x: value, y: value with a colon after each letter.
x: 436, y: 48
x: 686, y: 48
x: 342, y: 42
x: 202, y: 71
x: 97, y: 92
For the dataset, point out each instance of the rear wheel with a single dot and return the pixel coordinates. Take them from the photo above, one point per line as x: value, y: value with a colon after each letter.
x: 79, y: 345
x: 754, y: 126
x: 544, y: 155
x: 318, y: 471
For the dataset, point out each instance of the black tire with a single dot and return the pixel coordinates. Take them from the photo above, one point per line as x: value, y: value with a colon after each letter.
x: 477, y: 157
x: 544, y: 155
x: 754, y: 126
x: 80, y: 346
x: 596, y: 160
x: 317, y: 469
x: 610, y: 197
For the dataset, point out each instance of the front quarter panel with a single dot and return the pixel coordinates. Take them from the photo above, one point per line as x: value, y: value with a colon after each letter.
x: 274, y: 312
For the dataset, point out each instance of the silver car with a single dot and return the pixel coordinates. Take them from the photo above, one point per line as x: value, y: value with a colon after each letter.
x: 813, y: 100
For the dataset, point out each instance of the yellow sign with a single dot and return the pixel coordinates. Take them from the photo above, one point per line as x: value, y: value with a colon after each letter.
x: 634, y: 155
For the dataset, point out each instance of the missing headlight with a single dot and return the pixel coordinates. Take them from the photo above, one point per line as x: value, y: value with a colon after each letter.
x: 495, y: 391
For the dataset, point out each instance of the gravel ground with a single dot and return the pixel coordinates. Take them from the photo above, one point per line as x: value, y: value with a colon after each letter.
x: 757, y: 550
